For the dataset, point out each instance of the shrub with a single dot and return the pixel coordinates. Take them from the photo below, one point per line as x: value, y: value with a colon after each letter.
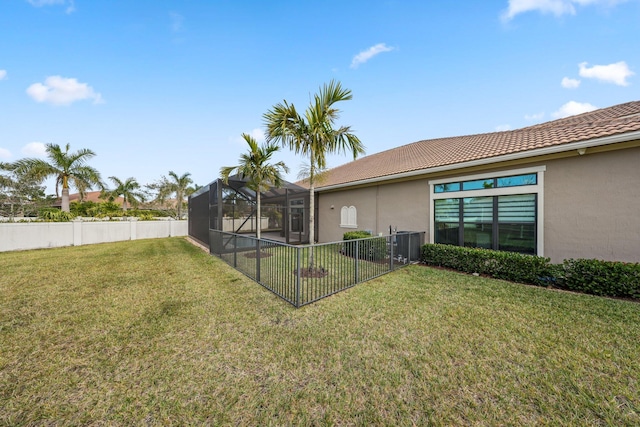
x: 148, y: 213
x: 371, y: 248
x: 55, y: 215
x: 511, y: 266
x: 144, y: 216
x: 82, y: 208
x: 605, y: 278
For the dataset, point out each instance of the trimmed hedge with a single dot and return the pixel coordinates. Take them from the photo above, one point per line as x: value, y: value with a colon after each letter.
x: 500, y: 265
x: 373, y: 249
x: 604, y: 278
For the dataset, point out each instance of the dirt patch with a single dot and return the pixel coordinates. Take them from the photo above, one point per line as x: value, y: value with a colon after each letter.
x: 318, y: 272
x: 254, y: 255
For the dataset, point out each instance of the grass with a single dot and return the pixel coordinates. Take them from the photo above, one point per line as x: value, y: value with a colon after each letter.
x: 157, y: 332
x: 279, y: 264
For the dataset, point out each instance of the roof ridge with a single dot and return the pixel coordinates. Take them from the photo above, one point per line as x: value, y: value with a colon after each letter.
x: 597, y: 115
x: 428, y: 153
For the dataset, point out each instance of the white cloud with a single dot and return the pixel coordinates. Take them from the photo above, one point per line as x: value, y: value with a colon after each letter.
x: 555, y: 7
x: 257, y: 134
x: 58, y: 90
x: 572, y: 108
x: 71, y: 7
x: 568, y: 83
x: 177, y: 21
x: 366, y: 55
x: 3, y: 74
x: 502, y: 128
x: 5, y: 154
x: 35, y: 149
x: 534, y: 117
x: 613, y: 73
x: 40, y: 3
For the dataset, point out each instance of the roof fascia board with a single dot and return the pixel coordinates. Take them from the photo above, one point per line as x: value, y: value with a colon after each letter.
x: 607, y: 140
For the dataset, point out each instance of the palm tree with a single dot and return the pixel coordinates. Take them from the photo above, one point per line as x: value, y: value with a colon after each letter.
x: 5, y: 180
x: 128, y: 189
x: 313, y: 135
x: 166, y: 187
x: 67, y: 168
x: 255, y: 167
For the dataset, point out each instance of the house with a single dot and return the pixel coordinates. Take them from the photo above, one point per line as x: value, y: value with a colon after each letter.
x: 568, y: 188
x: 89, y: 196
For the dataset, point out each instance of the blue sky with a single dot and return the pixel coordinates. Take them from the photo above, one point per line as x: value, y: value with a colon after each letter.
x: 159, y: 85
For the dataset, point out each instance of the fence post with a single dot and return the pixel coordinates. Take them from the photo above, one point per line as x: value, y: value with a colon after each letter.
x: 133, y: 233
x: 390, y: 252
x: 235, y: 251
x: 298, y: 272
x: 77, y: 232
x: 356, y: 256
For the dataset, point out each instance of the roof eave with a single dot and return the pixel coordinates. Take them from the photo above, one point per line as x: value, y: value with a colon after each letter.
x: 596, y: 142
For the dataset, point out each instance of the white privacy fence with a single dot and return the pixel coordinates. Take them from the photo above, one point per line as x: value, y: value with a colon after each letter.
x: 38, y: 235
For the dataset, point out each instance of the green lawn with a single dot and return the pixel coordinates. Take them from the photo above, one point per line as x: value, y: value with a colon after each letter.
x: 156, y: 332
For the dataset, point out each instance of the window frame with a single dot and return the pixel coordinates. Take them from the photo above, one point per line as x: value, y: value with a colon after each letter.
x: 349, y: 213
x: 537, y: 189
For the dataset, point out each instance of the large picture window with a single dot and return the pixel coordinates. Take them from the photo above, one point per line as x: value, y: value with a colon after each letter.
x: 506, y: 223
x: 493, y: 212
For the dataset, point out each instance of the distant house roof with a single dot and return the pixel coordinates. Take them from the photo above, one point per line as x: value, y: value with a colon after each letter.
x: 429, y: 155
x: 89, y: 196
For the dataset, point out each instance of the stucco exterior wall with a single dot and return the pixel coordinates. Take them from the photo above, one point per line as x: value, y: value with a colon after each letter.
x: 404, y: 206
x: 592, y: 206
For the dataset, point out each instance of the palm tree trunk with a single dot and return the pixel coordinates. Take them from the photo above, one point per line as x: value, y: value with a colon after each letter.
x: 312, y: 202
x: 179, y: 203
x: 65, y: 199
x: 312, y: 226
x: 258, y: 215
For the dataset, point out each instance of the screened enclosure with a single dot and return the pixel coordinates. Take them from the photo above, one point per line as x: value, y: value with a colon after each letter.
x: 231, y: 207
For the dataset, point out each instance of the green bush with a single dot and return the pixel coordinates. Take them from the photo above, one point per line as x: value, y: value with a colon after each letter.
x: 498, y: 264
x: 373, y: 249
x: 142, y: 216
x: 148, y: 213
x: 605, y: 278
x: 55, y: 215
x: 82, y: 208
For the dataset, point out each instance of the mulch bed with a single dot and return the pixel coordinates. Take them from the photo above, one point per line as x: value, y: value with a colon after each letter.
x: 312, y: 272
x: 253, y: 255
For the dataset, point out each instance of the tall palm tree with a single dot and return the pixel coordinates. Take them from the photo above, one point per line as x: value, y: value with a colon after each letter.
x: 313, y: 135
x: 255, y: 167
x: 69, y: 169
x: 128, y: 190
x: 174, y: 185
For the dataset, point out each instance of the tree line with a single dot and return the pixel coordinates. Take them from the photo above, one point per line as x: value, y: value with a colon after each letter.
x: 22, y: 191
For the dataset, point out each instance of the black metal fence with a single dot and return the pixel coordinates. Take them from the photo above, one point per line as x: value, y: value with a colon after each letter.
x: 304, y: 274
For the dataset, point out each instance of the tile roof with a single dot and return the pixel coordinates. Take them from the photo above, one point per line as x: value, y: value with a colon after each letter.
x: 89, y: 196
x: 432, y: 153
